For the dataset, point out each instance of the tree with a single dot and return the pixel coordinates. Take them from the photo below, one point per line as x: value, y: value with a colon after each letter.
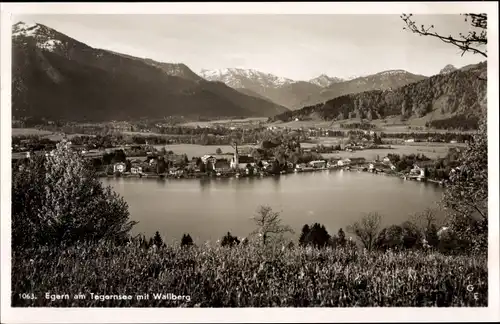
x: 249, y: 168
x: 128, y: 165
x: 317, y: 236
x: 119, y: 156
x: 412, y: 237
x: 366, y: 230
x: 275, y: 169
x: 269, y: 222
x: 390, y: 238
x: 59, y: 199
x: 229, y: 240
x: 466, y: 196
x: 303, y: 234
x: 161, y: 166
x: 199, y: 162
x: 218, y: 151
x: 157, y: 240
x: 475, y: 41
x: 186, y: 240
x: 341, y: 237
x: 203, y: 167
x: 425, y: 220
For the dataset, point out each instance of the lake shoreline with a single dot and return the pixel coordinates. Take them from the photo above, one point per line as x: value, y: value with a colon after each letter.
x: 260, y: 175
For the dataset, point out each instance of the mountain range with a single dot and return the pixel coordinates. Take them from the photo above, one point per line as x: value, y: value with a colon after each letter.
x: 57, y: 77
x: 454, y: 92
x: 297, y: 94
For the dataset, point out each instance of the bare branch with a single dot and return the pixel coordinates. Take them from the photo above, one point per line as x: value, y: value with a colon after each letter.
x: 472, y: 42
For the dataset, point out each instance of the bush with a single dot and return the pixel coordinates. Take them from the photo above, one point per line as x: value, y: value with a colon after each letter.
x: 58, y: 199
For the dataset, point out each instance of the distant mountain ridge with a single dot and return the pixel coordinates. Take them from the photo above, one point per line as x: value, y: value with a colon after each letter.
x: 458, y: 93
x: 297, y: 94
x: 55, y: 76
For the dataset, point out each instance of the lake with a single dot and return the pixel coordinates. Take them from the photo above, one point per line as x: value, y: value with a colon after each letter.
x: 207, y: 209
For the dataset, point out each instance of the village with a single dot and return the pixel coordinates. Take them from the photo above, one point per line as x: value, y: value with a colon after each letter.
x: 147, y: 161
x: 243, y: 164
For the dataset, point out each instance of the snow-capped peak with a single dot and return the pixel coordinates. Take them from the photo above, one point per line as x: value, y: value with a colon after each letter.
x: 45, y: 37
x: 392, y: 72
x: 324, y: 80
x: 236, y: 77
x: 25, y: 29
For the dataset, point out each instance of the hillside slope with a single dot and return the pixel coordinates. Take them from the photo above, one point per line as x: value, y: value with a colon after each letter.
x: 458, y: 93
x: 57, y: 77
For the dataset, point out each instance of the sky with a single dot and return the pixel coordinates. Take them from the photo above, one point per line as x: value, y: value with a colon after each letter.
x: 299, y: 47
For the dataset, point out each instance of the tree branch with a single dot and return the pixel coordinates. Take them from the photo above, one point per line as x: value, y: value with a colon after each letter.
x: 468, y: 43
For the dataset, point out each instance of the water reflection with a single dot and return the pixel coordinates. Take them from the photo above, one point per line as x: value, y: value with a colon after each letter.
x: 205, y: 184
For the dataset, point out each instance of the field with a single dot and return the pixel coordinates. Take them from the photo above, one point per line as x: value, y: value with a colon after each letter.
x: 43, y: 133
x: 30, y: 131
x: 142, y: 134
x: 431, y: 150
x: 195, y: 150
x: 248, y: 276
x: 246, y: 121
x: 392, y: 125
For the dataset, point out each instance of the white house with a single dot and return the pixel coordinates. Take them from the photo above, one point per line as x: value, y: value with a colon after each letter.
x: 318, y: 164
x: 176, y: 171
x: 208, y: 158
x: 410, y: 140
x: 386, y: 160
x: 344, y: 162
x: 418, y: 171
x: 136, y: 169
x: 119, y: 167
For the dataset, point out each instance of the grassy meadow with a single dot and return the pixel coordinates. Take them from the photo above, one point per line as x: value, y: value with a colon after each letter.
x: 249, y: 276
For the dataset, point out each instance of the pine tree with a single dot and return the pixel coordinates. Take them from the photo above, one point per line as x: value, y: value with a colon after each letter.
x: 186, y: 240
x: 229, y: 240
x: 157, y: 240
x: 302, y: 238
x: 341, y: 237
